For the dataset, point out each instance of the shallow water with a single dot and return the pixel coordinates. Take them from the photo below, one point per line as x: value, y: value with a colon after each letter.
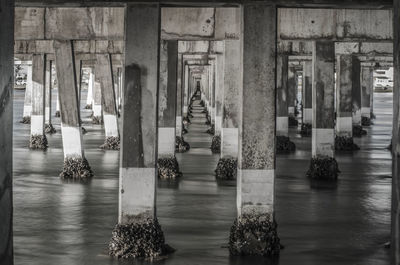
x: 70, y: 223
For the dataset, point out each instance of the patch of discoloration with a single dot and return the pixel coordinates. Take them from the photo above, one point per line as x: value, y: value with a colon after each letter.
x: 38, y: 142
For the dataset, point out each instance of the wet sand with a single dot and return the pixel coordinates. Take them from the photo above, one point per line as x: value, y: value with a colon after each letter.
x: 71, y: 223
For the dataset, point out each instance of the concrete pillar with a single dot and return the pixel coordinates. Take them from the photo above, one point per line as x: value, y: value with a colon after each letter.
x: 282, y: 120
x: 356, y: 91
x: 167, y: 99
x: 26, y: 117
x: 395, y: 226
x: 78, y: 69
x: 137, y: 185
x: 104, y: 77
x: 97, y: 102
x: 323, y: 164
x: 219, y: 93
x: 367, y: 84
x: 179, y: 96
x: 75, y: 164
x: 6, y: 129
x: 231, y: 99
x: 38, y: 138
x: 89, y: 98
x: 48, y: 87
x: 344, y: 103
x: 211, y: 79
x: 307, y: 91
x: 186, y: 90
x: 292, y: 90
x: 256, y: 164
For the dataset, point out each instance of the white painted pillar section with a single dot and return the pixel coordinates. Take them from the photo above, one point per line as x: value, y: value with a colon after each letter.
x: 28, y: 93
x: 48, y: 92
x: 178, y: 126
x: 367, y: 81
x: 212, y: 90
x: 110, y: 125
x: 58, y: 104
x: 89, y: 98
x: 166, y: 141
x: 72, y: 141
x: 186, y: 91
x: 282, y: 126
x: 96, y: 107
x: 344, y: 126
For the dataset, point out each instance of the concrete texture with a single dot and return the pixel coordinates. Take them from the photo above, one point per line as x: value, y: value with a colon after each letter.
x: 307, y: 91
x: 344, y: 103
x: 38, y: 94
x: 356, y: 90
x: 282, y: 96
x: 367, y: 83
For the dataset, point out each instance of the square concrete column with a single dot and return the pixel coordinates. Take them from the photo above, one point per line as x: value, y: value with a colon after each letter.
x: 212, y: 90
x: 344, y: 99
x: 97, y: 101
x: 89, y: 97
x: 104, y: 76
x: 292, y: 90
x: 254, y: 232
x: 307, y: 92
x: 167, y: 99
x: 282, y: 119
x: 6, y: 130
x: 138, y: 233
x: 186, y: 79
x: 231, y: 99
x: 78, y: 69
x: 367, y: 84
x: 356, y: 91
x: 38, y: 138
x: 48, y: 93
x: 179, y: 95
x: 323, y: 164
x: 26, y: 117
x: 219, y: 93
x: 75, y: 164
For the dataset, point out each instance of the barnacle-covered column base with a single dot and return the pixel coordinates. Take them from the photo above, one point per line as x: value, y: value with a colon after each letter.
x: 226, y: 168
x: 344, y: 143
x: 38, y: 142
x: 76, y: 168
x: 181, y: 146
x: 49, y: 129
x: 283, y: 144
x: 111, y: 143
x: 323, y: 168
x: 216, y: 144
x: 168, y: 168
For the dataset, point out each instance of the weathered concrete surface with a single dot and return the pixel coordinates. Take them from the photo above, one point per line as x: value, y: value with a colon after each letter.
x: 139, y: 115
x: 367, y: 83
x: 219, y: 92
x: 6, y: 131
x: 256, y: 162
x: 48, y: 88
x: 307, y: 92
x: 282, y: 119
x: 356, y: 90
x: 179, y: 93
x: 323, y: 89
x: 28, y: 93
x: 292, y: 90
x: 344, y: 103
x: 38, y: 94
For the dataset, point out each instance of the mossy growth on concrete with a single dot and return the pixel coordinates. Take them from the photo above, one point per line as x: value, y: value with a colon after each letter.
x: 111, y: 143
x: 97, y: 120
x: 26, y: 120
x: 323, y: 167
x: 186, y: 121
x: 358, y: 131
x: 306, y: 129
x: 211, y: 130
x: 216, y: 144
x: 366, y: 121
x: 142, y: 239
x: 168, y: 168
x: 57, y: 114
x: 38, y: 142
x: 181, y: 145
x: 226, y: 168
x: 49, y: 129
x: 293, y: 122
x: 88, y: 106
x: 283, y: 144
x: 254, y: 234
x: 76, y: 168
x: 343, y: 143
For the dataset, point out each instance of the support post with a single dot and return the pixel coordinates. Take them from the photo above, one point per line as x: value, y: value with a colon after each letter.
x: 75, y: 164
x: 282, y: 120
x: 38, y: 138
x: 292, y: 92
x: 179, y: 96
x: 26, y: 117
x: 367, y: 84
x: 255, y: 230
x: 89, y: 97
x: 356, y: 90
x: 97, y: 102
x: 138, y: 233
x: 48, y: 87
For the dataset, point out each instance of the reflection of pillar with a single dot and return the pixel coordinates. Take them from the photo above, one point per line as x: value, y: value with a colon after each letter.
x: 75, y: 163
x: 367, y: 83
x: 307, y: 91
x: 28, y: 95
x: 103, y: 74
x: 38, y: 139
x: 256, y: 163
x: 282, y: 120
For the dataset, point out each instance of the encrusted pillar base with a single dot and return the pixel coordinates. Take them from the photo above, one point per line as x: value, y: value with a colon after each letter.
x: 254, y: 234
x: 293, y: 122
x: 184, y: 130
x: 365, y: 121
x: 186, y: 121
x: 284, y: 144
x: 323, y: 167
x: 49, y: 129
x: 358, y: 131
x: 168, y: 168
x: 111, y: 143
x: 97, y: 120
x: 180, y: 145
x: 216, y: 144
x: 38, y: 142
x: 211, y: 130
x: 57, y: 114
x: 141, y: 239
x: 76, y: 168
x: 88, y: 106
x: 26, y: 120
x: 226, y: 168
x: 343, y: 143
x: 306, y: 129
